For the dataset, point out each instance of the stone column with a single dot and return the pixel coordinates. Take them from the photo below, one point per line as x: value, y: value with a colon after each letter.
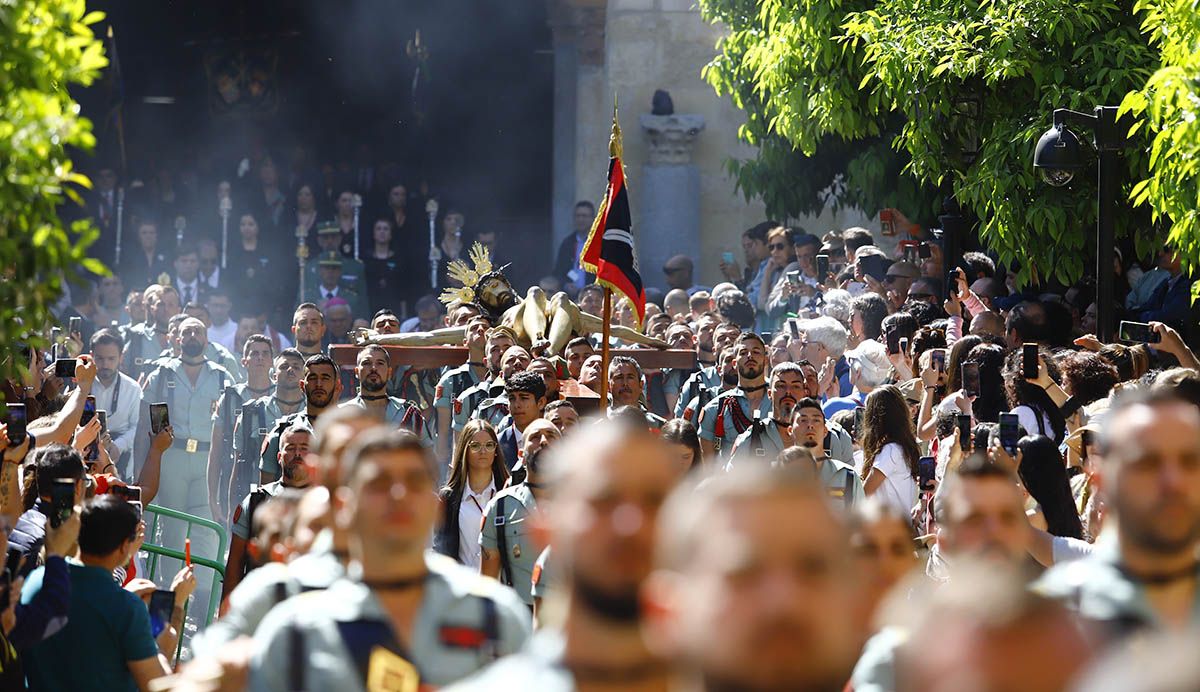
x: 669, y: 195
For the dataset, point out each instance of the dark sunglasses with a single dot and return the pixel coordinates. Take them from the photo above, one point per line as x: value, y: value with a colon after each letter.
x: 777, y: 246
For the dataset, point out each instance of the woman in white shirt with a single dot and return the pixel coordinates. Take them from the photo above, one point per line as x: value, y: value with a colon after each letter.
x: 477, y: 473
x: 890, y: 450
x: 1036, y: 401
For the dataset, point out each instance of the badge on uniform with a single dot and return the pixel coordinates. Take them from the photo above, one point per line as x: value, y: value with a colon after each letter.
x: 262, y: 431
x: 517, y: 550
x: 457, y: 407
x: 170, y: 384
x: 346, y: 249
x: 387, y: 672
x: 760, y: 452
x: 836, y: 492
x: 458, y: 637
x: 237, y: 412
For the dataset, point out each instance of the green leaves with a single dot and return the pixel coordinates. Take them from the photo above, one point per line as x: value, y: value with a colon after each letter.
x: 840, y: 91
x: 48, y: 46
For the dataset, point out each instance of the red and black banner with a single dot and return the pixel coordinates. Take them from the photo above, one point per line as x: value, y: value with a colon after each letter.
x: 609, y: 252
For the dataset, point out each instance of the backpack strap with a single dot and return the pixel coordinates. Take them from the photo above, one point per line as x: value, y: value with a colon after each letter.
x: 502, y: 540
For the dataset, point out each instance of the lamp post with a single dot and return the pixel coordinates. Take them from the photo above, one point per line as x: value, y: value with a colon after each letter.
x: 1058, y: 157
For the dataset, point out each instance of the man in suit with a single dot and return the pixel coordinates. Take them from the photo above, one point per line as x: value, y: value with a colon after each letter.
x: 187, y: 276
x: 526, y: 392
x: 1171, y: 300
x: 566, y: 265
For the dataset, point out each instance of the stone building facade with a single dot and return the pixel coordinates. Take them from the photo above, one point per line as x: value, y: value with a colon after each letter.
x: 682, y: 197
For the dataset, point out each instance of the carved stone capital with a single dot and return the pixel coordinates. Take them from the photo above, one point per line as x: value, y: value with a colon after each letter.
x: 672, y: 137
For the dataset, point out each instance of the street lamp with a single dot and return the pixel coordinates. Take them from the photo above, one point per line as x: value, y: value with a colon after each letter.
x: 1058, y: 157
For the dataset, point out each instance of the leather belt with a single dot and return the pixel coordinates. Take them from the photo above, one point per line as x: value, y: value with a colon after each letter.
x: 190, y: 445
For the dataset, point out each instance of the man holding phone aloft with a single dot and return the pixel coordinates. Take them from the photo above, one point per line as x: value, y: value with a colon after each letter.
x: 116, y: 392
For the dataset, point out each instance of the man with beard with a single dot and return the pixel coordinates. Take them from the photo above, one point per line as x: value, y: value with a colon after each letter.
x: 498, y: 341
x: 625, y: 385
x: 308, y: 326
x: 293, y: 449
x: 605, y: 492
x: 980, y: 515
x: 727, y: 369
x: 708, y: 375
x: 733, y: 412
x: 1143, y: 575
x: 831, y: 448
x: 145, y: 341
x: 321, y: 388
x: 372, y: 368
x: 116, y: 392
x: 765, y: 439
x: 256, y: 358
x: 250, y: 427
x: 495, y: 409
x: 458, y: 380
x: 506, y: 539
x: 191, y: 387
x: 754, y: 589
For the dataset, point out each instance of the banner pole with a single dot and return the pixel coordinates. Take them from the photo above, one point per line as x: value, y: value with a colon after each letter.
x: 605, y: 332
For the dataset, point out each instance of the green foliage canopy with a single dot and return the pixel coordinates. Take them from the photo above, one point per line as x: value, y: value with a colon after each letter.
x: 46, y: 46
x: 956, y: 91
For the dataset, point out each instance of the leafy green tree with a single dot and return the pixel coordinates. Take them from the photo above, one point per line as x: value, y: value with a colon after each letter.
x: 1166, y: 109
x: 46, y: 47
x: 963, y: 87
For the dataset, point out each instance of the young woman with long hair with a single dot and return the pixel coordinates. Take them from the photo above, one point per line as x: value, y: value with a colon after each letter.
x: 890, y: 450
x: 477, y: 473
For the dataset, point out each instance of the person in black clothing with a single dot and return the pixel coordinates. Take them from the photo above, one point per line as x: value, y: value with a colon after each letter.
x: 383, y: 268
x: 259, y: 269
x: 566, y: 264
x: 142, y: 265
x: 477, y: 472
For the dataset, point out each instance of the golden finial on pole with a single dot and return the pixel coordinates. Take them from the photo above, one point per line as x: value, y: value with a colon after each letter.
x: 614, y: 140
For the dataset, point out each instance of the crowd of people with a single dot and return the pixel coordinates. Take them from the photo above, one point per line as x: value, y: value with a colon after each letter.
x: 861, y: 481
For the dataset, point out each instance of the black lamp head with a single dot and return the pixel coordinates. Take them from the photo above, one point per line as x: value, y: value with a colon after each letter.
x: 1058, y: 156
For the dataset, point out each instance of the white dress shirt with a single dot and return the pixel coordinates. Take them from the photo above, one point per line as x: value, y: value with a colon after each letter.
x: 188, y: 291
x: 224, y: 335
x: 123, y: 421
x: 470, y: 514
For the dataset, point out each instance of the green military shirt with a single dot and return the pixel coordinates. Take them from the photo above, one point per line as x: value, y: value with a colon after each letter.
x: 190, y: 407
x: 402, y: 414
x: 520, y: 552
x: 324, y: 640
x: 539, y: 666
x: 268, y: 461
x: 729, y: 415
x: 469, y: 400
x: 706, y: 377
x: 1100, y: 592
x: 493, y: 410
x: 264, y: 588
x: 142, y: 347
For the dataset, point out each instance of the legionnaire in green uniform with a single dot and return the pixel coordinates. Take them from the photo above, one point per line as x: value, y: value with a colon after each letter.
x: 253, y: 423
x: 494, y: 409
x: 726, y: 369
x: 456, y: 381
x: 293, y: 449
x: 408, y: 618
x: 732, y: 413
x: 497, y: 341
x: 373, y: 365
x: 191, y: 387
x: 257, y: 360
x: 214, y: 352
x: 147, y: 340
x: 506, y: 538
x: 321, y: 388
